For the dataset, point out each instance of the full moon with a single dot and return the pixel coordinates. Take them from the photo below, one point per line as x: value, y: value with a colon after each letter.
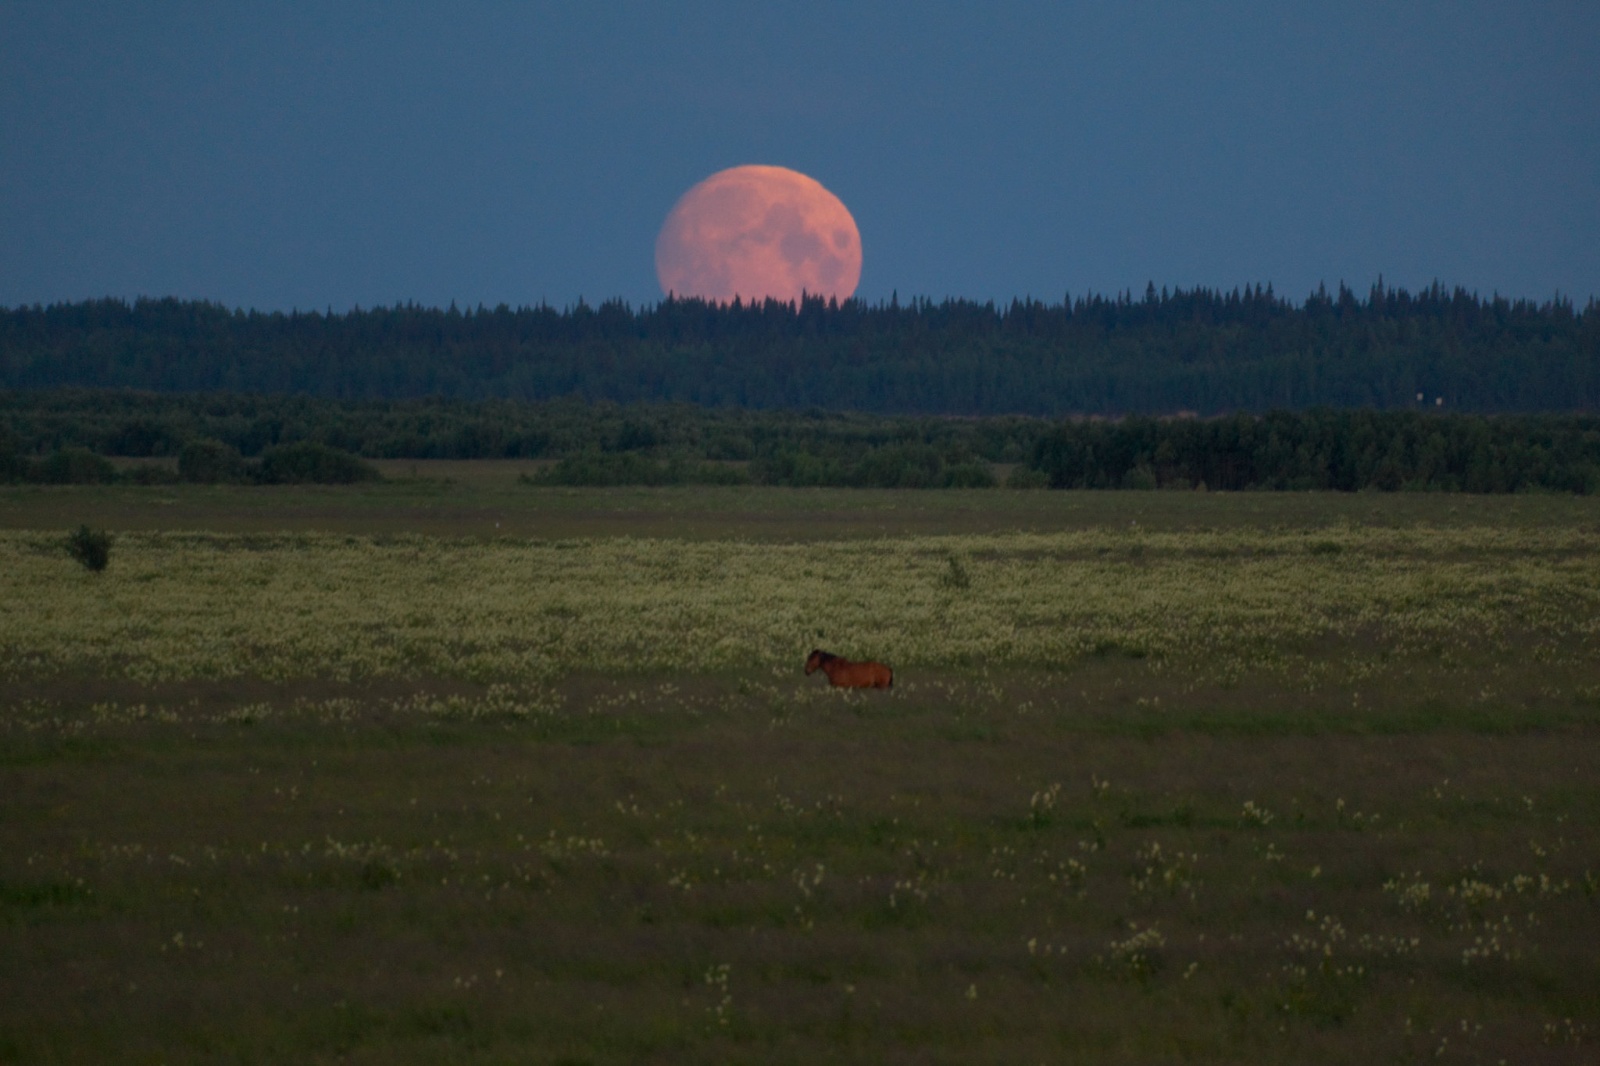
x: 755, y: 232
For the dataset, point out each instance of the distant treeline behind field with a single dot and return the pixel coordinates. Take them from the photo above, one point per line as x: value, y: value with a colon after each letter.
x: 67, y: 435
x: 1199, y: 350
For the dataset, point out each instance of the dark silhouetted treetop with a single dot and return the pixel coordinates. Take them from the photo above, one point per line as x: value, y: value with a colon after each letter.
x: 1199, y: 350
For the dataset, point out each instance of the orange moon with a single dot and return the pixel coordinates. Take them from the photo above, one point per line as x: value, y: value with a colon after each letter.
x: 755, y: 232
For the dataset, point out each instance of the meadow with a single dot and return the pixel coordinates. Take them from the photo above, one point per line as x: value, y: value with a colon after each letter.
x: 451, y: 768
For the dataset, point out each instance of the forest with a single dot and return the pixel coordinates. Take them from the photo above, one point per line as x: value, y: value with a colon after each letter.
x: 1200, y: 351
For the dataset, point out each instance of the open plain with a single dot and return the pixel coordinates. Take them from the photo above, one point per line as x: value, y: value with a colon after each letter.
x: 451, y: 768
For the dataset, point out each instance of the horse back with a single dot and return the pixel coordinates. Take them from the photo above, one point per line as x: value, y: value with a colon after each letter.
x: 846, y: 674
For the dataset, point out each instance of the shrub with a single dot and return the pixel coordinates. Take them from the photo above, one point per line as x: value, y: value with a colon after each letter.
x: 77, y: 466
x: 13, y: 467
x: 634, y: 436
x: 1141, y: 478
x: 797, y: 468
x: 955, y: 575
x: 91, y: 547
x: 308, y: 462
x: 910, y: 465
x: 141, y: 437
x: 209, y: 461
x: 150, y: 474
x: 971, y: 475
x: 1026, y: 477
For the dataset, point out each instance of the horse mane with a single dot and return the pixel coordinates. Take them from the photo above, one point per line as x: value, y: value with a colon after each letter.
x: 823, y: 656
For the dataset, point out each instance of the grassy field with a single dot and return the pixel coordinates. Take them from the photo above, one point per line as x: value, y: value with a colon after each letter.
x: 448, y: 768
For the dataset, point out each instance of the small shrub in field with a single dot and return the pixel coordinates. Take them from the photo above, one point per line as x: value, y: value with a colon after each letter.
x: 91, y: 547
x: 955, y: 575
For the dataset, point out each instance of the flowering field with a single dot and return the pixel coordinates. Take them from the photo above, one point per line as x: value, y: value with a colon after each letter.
x: 1272, y: 789
x: 184, y: 606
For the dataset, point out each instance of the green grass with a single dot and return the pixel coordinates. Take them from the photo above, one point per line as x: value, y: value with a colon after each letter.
x: 485, y: 499
x: 871, y: 881
x: 294, y: 785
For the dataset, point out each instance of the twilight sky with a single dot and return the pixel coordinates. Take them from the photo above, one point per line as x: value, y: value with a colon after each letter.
x: 333, y: 154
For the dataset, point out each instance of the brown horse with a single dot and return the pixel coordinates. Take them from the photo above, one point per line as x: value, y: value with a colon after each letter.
x: 842, y: 673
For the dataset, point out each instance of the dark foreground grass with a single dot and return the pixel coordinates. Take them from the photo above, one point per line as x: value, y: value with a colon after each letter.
x: 1097, y: 866
x: 1120, y: 861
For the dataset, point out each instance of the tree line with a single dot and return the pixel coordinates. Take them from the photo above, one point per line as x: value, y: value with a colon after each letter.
x: 66, y: 436
x: 1198, y: 350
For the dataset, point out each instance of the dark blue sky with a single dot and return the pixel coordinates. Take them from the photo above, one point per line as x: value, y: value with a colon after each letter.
x: 315, y: 154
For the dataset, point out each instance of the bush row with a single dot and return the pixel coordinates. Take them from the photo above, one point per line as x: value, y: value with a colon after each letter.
x: 1328, y: 450
x: 908, y: 466
x: 140, y: 424
x: 200, y: 461
x: 62, y: 437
